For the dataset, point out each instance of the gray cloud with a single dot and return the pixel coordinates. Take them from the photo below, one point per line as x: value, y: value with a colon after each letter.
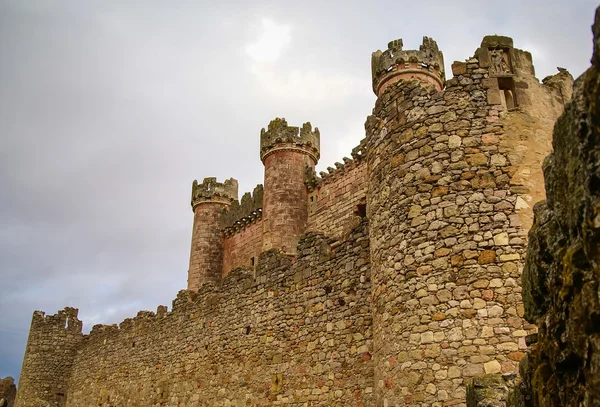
x: 108, y: 111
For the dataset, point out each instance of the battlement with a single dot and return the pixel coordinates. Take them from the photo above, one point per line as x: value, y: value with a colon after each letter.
x: 280, y: 136
x: 425, y: 65
x: 211, y: 190
x: 65, y: 319
x: 244, y: 212
x: 313, y: 181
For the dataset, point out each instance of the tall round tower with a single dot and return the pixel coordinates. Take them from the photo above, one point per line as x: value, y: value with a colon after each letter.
x: 286, y: 152
x: 425, y: 65
x: 206, y: 255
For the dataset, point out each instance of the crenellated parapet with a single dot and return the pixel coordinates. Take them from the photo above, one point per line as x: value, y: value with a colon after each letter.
x: 212, y: 191
x: 425, y: 65
x: 65, y: 319
x: 244, y: 212
x: 279, y: 136
x: 313, y: 181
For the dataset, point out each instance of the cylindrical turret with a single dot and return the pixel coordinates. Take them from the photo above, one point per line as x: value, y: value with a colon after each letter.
x: 286, y: 152
x: 394, y: 64
x: 206, y: 255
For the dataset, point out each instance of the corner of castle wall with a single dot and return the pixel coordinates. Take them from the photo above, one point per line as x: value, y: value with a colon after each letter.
x: 50, y: 353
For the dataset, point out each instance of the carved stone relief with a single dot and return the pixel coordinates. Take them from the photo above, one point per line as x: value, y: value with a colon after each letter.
x: 499, y: 61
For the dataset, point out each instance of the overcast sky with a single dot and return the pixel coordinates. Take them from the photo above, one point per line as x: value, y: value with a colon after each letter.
x: 109, y: 110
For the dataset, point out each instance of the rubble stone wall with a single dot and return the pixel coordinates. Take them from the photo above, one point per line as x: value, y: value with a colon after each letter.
x: 447, y: 243
x: 49, y: 357
x: 333, y: 204
x: 561, y: 280
x: 298, y: 334
x: 8, y: 392
x: 242, y: 248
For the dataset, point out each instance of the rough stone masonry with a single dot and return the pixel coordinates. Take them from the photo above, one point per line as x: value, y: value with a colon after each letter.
x: 392, y: 279
x: 561, y: 280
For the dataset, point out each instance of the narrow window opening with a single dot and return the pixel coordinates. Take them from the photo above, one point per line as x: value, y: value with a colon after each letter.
x: 507, y: 92
x: 67, y: 323
x: 248, y: 329
x: 252, y: 261
x: 361, y: 210
x: 61, y: 399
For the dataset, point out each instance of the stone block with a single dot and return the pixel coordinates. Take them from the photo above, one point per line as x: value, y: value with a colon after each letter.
x: 494, y: 97
x: 459, y: 68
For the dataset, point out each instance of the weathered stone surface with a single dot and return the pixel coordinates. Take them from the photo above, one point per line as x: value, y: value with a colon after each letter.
x: 8, y: 392
x: 470, y: 211
x: 561, y: 279
x: 227, y: 345
x: 49, y: 358
x: 489, y: 391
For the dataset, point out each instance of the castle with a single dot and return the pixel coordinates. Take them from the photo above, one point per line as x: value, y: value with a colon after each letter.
x: 391, y: 280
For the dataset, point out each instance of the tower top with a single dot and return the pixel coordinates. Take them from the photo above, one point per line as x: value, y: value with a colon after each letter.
x: 280, y: 136
x: 212, y: 191
x: 425, y: 64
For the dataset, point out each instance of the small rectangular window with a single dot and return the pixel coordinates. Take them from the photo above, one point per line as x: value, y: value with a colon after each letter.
x: 507, y: 92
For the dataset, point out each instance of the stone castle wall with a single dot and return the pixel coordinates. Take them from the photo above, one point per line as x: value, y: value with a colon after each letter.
x: 300, y: 333
x: 561, y: 279
x: 49, y: 356
x: 242, y: 248
x: 447, y: 243
x: 333, y: 204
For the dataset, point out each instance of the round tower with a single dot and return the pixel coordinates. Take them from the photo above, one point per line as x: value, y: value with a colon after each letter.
x: 209, y: 199
x: 394, y: 64
x: 446, y: 244
x: 286, y: 151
